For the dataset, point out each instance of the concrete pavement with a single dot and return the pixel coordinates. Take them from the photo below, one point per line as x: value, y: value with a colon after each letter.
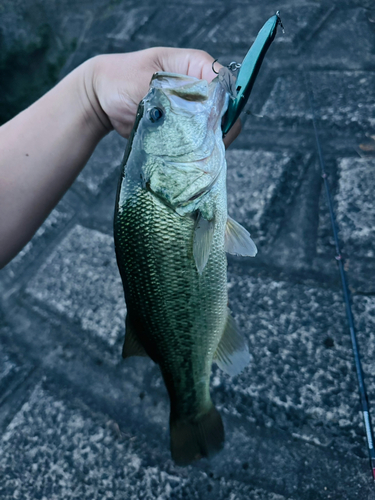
x: 78, y: 422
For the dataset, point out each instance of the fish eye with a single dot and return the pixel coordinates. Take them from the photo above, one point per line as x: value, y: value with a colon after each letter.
x: 155, y: 114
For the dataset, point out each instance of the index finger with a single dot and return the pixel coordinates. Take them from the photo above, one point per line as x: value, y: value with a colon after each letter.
x: 191, y: 62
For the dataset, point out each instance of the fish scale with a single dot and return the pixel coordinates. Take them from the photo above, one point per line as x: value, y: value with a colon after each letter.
x: 163, y: 286
x: 171, y: 231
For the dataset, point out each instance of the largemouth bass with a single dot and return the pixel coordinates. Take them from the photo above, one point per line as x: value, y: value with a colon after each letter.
x: 172, y: 232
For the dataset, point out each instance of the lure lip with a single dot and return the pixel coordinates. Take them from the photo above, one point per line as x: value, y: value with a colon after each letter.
x: 249, y: 70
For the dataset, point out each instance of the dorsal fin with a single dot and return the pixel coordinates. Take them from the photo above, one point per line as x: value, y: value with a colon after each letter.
x: 237, y: 240
x: 232, y: 353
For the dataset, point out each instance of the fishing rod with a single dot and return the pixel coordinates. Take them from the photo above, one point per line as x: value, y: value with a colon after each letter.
x: 340, y: 261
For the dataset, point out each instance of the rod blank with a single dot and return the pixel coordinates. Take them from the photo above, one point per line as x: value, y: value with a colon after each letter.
x: 340, y: 262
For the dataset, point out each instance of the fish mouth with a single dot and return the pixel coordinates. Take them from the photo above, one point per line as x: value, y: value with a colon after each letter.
x: 183, y: 91
x: 185, y: 86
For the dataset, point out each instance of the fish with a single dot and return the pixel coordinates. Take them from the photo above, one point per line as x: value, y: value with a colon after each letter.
x: 172, y: 232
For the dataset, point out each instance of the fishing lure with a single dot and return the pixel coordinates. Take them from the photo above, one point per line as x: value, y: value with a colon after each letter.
x: 249, y: 69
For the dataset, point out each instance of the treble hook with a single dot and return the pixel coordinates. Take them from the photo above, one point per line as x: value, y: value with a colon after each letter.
x: 233, y: 66
x: 281, y: 24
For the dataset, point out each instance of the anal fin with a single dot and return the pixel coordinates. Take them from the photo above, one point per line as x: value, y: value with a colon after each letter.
x: 232, y: 353
x: 132, y: 345
x: 237, y: 240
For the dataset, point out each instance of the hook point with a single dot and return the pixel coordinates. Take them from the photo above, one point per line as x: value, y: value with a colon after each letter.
x: 213, y: 69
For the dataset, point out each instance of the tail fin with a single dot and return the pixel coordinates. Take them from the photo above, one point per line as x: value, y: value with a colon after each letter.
x: 192, y: 440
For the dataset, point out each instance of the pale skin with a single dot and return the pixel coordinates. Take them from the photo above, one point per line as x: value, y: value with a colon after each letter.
x: 43, y: 149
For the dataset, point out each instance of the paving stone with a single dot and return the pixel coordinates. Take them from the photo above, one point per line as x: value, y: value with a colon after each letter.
x: 54, y: 449
x: 355, y: 205
x: 100, y: 214
x: 180, y: 24
x: 343, y: 99
x: 8, y: 370
x: 81, y: 281
x: 260, y: 185
x: 52, y: 226
x: 222, y: 488
x: 102, y: 164
x: 325, y: 244
x: 112, y: 30
x: 348, y: 34
x: 293, y: 430
x: 291, y: 466
x: 294, y: 247
x: 351, y: 188
x: 302, y: 371
x: 237, y: 30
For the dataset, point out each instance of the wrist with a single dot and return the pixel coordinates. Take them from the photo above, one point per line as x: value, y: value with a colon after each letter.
x: 94, y: 114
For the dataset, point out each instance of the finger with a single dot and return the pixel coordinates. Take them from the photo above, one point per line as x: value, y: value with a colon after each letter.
x: 190, y: 62
x: 233, y: 133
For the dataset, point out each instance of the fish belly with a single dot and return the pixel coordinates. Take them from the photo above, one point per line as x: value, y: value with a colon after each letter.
x: 178, y: 314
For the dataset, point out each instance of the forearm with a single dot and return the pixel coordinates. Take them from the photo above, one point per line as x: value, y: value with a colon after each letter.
x: 42, y: 150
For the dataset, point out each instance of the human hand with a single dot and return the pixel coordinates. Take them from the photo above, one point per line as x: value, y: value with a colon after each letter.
x: 116, y: 83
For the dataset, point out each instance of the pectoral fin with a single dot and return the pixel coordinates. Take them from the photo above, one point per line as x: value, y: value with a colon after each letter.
x: 132, y: 345
x: 237, y: 240
x: 203, y: 235
x: 232, y: 353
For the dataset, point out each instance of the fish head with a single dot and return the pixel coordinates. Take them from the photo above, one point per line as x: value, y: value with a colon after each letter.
x: 177, y: 151
x: 182, y: 116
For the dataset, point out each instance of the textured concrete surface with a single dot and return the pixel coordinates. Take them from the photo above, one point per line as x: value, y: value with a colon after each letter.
x: 355, y: 205
x: 83, y: 284
x: 228, y: 32
x: 102, y: 164
x: 52, y: 226
x: 261, y: 185
x: 8, y: 370
x: 76, y: 421
x: 345, y: 98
